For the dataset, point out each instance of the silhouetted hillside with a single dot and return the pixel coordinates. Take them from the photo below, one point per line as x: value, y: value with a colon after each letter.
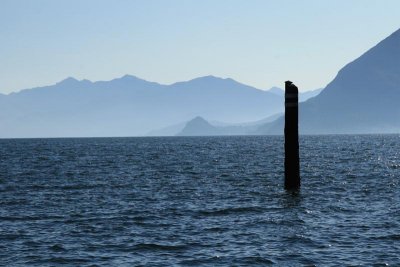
x: 200, y: 127
x: 363, y: 98
x: 219, y: 128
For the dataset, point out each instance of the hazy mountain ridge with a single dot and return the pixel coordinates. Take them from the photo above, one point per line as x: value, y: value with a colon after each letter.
x: 223, y: 128
x: 364, y: 97
x: 220, y: 128
x: 128, y: 106
x: 200, y: 127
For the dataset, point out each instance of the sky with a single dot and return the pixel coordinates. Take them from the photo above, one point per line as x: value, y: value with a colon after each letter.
x: 261, y: 43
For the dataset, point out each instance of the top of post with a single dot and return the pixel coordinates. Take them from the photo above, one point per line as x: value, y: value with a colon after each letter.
x: 291, y: 88
x: 288, y: 83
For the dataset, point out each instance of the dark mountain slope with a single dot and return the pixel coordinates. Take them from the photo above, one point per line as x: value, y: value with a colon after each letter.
x: 363, y: 98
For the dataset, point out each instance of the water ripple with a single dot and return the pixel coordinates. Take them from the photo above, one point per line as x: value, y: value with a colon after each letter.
x: 212, y: 201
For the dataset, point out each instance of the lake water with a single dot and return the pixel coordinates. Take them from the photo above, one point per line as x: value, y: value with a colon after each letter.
x: 199, y: 201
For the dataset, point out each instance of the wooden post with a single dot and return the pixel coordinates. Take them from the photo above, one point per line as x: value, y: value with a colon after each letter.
x: 292, y: 162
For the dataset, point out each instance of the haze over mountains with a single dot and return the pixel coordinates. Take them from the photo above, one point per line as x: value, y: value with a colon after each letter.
x: 129, y: 106
x: 200, y: 127
x: 363, y: 98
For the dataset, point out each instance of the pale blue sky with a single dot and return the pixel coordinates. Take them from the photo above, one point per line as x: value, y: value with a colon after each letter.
x: 258, y: 42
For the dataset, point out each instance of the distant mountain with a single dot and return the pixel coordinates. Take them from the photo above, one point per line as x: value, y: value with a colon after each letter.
x: 193, y: 127
x: 221, y: 128
x: 128, y: 106
x: 363, y: 98
x: 200, y: 127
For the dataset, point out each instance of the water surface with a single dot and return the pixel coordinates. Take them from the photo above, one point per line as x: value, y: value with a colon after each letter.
x: 199, y: 201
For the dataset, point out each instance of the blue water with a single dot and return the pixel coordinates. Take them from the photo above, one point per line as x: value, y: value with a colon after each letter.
x: 200, y: 201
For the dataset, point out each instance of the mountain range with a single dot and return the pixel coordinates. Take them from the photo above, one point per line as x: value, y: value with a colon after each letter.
x: 194, y: 126
x: 129, y: 106
x: 364, y: 97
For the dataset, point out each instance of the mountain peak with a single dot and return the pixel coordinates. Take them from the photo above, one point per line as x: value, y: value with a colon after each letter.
x: 129, y: 77
x: 198, y: 119
x: 129, y: 80
x: 207, y: 78
x: 198, y: 126
x: 202, y: 81
x: 210, y: 79
x: 71, y: 82
x: 68, y: 80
